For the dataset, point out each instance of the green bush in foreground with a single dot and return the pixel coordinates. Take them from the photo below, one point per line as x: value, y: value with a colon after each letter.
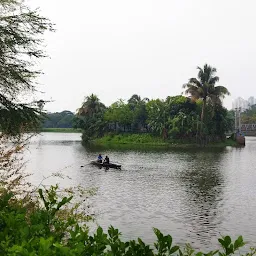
x: 30, y: 230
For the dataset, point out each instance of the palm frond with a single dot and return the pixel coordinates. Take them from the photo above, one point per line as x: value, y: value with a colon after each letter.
x: 193, y: 91
x: 214, y: 80
x: 222, y: 91
x: 206, y: 73
x: 195, y: 82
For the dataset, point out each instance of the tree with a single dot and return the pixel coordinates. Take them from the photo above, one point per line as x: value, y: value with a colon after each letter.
x: 249, y: 115
x: 203, y: 87
x: 91, y: 106
x: 120, y: 114
x: 91, y: 115
x: 139, y: 113
x: 64, y: 119
x: 20, y: 46
x: 157, y: 116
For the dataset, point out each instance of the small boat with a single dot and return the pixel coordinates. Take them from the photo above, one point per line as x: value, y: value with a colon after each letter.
x: 105, y: 165
x: 240, y: 139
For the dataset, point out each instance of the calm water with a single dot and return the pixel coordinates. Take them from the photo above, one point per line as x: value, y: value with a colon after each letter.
x: 195, y: 195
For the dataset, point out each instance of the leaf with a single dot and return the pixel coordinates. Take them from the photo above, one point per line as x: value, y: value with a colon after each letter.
x: 158, y: 234
x: 64, y: 201
x: 222, y: 242
x: 46, y: 204
x: 174, y: 249
x: 141, y: 242
x: 227, y: 240
x: 99, y: 231
x: 239, y: 243
x: 169, y: 241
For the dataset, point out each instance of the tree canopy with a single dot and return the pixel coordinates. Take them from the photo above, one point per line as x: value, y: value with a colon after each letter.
x: 175, y: 117
x: 21, y: 31
x: 90, y: 117
x: 64, y: 119
x: 204, y: 87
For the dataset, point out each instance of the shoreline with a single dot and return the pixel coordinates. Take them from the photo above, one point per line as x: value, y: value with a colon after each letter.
x: 141, y: 141
x: 61, y: 130
x: 165, y: 145
x: 112, y: 142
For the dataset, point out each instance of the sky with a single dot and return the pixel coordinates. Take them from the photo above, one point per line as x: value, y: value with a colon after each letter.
x: 117, y: 48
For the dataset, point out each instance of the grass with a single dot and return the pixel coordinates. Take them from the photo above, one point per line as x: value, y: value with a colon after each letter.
x: 66, y: 130
x: 131, y: 139
x: 147, y: 140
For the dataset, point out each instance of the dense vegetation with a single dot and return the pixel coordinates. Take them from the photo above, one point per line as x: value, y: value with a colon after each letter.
x: 20, y: 47
x: 249, y: 116
x: 64, y: 119
x: 199, y: 117
x: 27, y: 229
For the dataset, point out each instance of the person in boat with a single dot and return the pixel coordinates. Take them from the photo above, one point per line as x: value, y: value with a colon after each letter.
x: 106, y: 160
x: 99, y: 160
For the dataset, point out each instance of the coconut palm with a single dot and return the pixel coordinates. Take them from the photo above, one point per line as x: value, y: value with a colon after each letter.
x: 136, y: 99
x: 203, y: 87
x: 91, y: 106
x: 138, y: 106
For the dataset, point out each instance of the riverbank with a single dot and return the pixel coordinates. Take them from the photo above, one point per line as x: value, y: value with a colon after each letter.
x: 147, y: 140
x: 66, y: 130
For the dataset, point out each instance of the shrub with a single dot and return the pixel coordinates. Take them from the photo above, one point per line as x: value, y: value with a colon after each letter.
x: 47, y: 230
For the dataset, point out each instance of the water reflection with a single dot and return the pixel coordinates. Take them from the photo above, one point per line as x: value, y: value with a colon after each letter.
x: 202, y: 183
x: 193, y: 194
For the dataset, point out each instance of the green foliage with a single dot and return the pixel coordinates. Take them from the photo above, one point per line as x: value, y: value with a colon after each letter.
x: 157, y: 116
x: 64, y: 119
x: 177, y: 117
x: 21, y: 46
x: 42, y: 229
x: 130, y: 139
x: 200, y: 118
x: 120, y: 113
x: 90, y: 118
x: 63, y: 130
x: 249, y: 115
x: 204, y: 87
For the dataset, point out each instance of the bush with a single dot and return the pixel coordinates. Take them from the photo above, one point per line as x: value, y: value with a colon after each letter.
x: 130, y: 139
x: 45, y: 230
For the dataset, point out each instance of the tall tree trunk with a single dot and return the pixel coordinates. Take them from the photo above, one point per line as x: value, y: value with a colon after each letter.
x: 202, y: 116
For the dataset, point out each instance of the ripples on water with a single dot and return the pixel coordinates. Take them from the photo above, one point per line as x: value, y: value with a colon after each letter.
x: 195, y: 195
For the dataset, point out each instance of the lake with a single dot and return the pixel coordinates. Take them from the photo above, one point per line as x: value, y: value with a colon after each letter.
x: 194, y: 195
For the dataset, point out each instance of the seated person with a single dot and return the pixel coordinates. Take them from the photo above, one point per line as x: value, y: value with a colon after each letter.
x: 106, y: 160
x: 99, y: 160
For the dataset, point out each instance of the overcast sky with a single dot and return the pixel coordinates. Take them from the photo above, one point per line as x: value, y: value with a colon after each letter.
x: 116, y: 48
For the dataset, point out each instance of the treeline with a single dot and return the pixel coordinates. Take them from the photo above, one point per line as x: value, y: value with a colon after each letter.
x: 200, y: 115
x: 64, y: 119
x: 174, y: 117
x: 249, y: 115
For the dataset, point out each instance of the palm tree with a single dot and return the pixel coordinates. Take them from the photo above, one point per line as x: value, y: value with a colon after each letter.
x: 203, y: 87
x: 91, y: 118
x: 138, y: 106
x: 91, y: 106
x: 136, y: 99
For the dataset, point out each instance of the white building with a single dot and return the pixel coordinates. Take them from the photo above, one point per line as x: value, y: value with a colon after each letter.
x: 252, y: 101
x: 240, y: 103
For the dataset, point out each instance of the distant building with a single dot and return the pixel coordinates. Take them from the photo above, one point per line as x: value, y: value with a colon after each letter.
x: 240, y: 103
x: 243, y: 104
x: 251, y: 101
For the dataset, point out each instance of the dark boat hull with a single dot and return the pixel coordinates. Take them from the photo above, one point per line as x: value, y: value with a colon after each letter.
x: 105, y: 165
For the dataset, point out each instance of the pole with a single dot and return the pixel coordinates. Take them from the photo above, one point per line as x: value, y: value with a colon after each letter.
x: 239, y: 120
x: 235, y: 120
